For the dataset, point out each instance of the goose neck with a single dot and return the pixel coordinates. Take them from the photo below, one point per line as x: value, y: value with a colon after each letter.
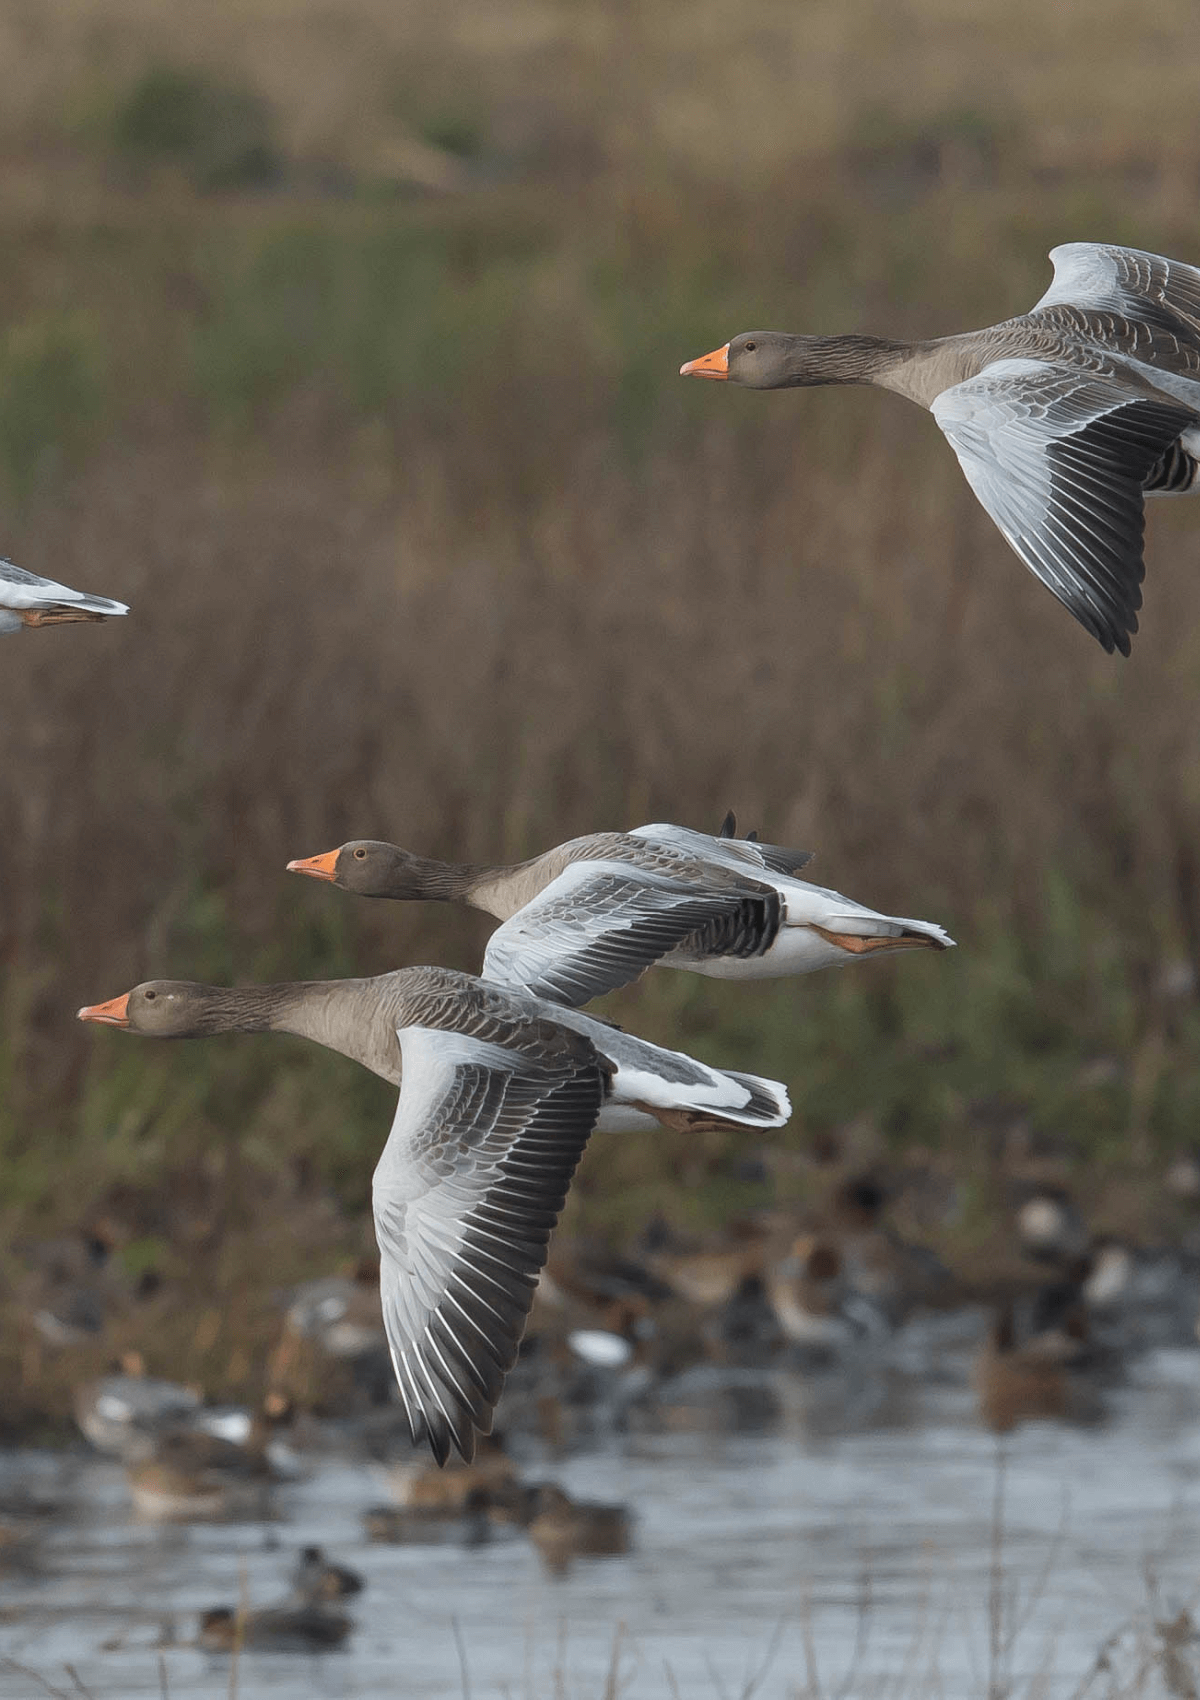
x: 450, y: 882
x: 844, y: 360
x: 347, y: 1016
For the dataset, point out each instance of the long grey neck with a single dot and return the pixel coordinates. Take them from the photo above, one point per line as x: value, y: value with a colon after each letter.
x: 450, y: 882
x: 842, y: 360
x: 352, y: 1017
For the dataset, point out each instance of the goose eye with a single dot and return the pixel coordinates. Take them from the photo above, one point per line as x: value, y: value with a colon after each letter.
x: 360, y: 855
x: 750, y: 347
x: 150, y: 996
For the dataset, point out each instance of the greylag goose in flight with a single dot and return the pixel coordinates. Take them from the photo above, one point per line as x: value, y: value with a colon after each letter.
x: 1063, y: 418
x: 593, y: 913
x: 498, y: 1096
x: 28, y: 600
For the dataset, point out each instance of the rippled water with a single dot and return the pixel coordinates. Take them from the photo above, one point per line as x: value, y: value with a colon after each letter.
x: 864, y: 1560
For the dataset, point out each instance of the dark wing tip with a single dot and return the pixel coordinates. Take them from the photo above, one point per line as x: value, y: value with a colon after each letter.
x: 729, y: 826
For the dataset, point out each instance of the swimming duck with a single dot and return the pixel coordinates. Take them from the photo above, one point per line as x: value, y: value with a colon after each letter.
x: 891, y: 1275
x: 308, y: 1628
x: 499, y: 1094
x: 317, y: 1578
x: 562, y: 1528
x: 813, y: 1300
x: 1064, y: 419
x: 26, y: 599
x: 457, y: 1486
x: 706, y: 1271
x: 194, y: 1475
x: 594, y: 913
x: 1021, y: 1383
x: 124, y: 1414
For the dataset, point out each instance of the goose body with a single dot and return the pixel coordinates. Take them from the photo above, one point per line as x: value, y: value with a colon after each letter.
x: 594, y: 913
x: 29, y: 600
x: 1063, y: 419
x: 499, y: 1094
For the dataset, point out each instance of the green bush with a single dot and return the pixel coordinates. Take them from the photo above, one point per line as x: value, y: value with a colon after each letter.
x: 52, y: 389
x: 219, y: 134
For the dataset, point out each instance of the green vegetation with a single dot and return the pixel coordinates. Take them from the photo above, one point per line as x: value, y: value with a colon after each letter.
x: 219, y: 135
x: 52, y: 396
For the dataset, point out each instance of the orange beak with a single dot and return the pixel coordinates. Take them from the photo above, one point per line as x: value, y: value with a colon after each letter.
x: 714, y: 365
x: 320, y: 867
x: 114, y: 1013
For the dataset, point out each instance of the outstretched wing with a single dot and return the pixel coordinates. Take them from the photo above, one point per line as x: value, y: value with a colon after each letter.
x: 601, y: 924
x: 468, y: 1188
x: 1145, y: 287
x: 1059, y: 458
x: 741, y: 855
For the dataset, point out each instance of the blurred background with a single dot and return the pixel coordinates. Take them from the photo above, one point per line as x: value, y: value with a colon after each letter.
x: 340, y: 339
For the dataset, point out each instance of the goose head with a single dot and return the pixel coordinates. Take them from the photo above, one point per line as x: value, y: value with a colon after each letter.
x: 163, y: 1009
x: 759, y: 360
x: 778, y: 360
x: 369, y: 867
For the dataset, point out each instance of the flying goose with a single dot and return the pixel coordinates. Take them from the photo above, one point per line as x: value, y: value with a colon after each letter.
x: 498, y: 1096
x: 28, y: 600
x: 1063, y: 418
x: 593, y: 913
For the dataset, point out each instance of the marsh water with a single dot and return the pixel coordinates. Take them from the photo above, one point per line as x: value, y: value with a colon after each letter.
x: 897, y: 1550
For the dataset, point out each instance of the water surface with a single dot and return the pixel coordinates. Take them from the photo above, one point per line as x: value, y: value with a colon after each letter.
x: 871, y: 1562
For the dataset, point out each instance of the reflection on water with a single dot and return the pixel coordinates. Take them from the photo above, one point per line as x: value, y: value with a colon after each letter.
x: 862, y: 1559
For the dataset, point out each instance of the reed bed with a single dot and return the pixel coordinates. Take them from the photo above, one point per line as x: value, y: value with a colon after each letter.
x: 425, y: 540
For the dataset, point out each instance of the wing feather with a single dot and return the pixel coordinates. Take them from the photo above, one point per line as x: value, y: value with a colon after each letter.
x: 740, y: 855
x: 1149, y: 288
x: 468, y: 1188
x: 1058, y: 459
x: 601, y: 924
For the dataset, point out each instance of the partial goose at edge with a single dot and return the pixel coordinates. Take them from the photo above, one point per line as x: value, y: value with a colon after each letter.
x: 26, y: 599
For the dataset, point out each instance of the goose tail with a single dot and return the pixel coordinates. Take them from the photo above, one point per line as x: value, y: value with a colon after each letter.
x: 768, y: 1105
x: 102, y: 606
